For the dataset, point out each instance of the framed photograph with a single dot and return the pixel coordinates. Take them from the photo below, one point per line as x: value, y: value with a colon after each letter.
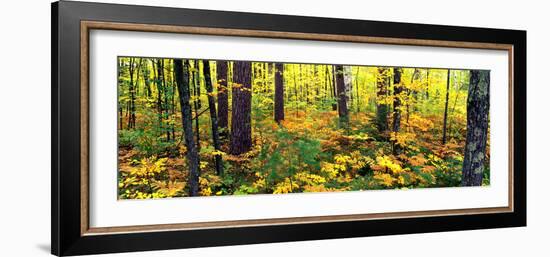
x: 178, y: 128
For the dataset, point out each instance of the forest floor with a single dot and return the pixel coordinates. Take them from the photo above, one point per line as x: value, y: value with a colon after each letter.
x: 308, y: 152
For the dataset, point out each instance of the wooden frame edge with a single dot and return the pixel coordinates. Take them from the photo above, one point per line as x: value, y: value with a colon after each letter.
x: 84, y: 129
x: 86, y: 26
x: 289, y: 221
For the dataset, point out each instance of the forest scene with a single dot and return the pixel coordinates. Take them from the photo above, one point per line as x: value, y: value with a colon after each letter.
x: 190, y: 127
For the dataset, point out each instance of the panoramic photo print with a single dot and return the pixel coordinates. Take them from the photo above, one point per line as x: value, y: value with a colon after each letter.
x: 192, y: 127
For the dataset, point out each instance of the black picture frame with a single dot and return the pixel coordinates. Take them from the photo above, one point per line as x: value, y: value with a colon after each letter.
x: 66, y: 236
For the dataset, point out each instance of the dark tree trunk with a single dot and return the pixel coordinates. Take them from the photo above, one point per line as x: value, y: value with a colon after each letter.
x: 121, y: 92
x: 120, y: 117
x: 182, y: 81
x: 135, y: 88
x: 279, y: 93
x: 158, y: 81
x: 241, y: 138
x: 382, y: 109
x: 213, y: 115
x: 132, y: 105
x: 342, y: 96
x: 315, y: 82
x: 166, y: 104
x: 334, y: 94
x: 478, y: 123
x: 427, y: 83
x: 197, y: 102
x: 327, y: 83
x: 444, y: 141
x: 296, y: 98
x: 397, y: 95
x: 173, y: 97
x: 146, y: 79
x: 223, y: 102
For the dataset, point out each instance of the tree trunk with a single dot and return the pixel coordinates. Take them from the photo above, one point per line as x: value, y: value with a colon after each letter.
x: 161, y: 95
x: 173, y: 103
x: 121, y: 92
x: 182, y: 81
x: 157, y: 74
x: 316, y: 82
x: 444, y: 141
x: 478, y: 123
x: 397, y: 95
x: 327, y: 83
x: 146, y: 79
x: 223, y: 102
x: 334, y: 94
x: 279, y: 93
x: 241, y: 138
x: 348, y: 78
x: 166, y: 104
x: 132, y: 105
x: 197, y: 102
x: 382, y: 109
x: 427, y: 83
x: 213, y: 115
x: 135, y: 88
x: 341, y: 94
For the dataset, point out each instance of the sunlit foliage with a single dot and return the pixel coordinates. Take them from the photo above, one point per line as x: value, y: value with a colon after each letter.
x: 308, y: 151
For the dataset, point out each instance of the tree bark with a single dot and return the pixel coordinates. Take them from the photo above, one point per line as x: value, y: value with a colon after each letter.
x: 427, y: 83
x: 160, y: 89
x: 213, y: 115
x: 334, y: 94
x: 173, y: 96
x: 397, y: 96
x: 397, y: 90
x: 197, y: 101
x: 166, y: 104
x: 342, y: 97
x: 279, y: 93
x: 223, y: 100
x: 241, y: 138
x: 182, y: 81
x: 121, y: 92
x: 146, y: 78
x: 327, y: 83
x: 477, y: 128
x: 132, y: 105
x: 444, y: 140
x: 348, y: 78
